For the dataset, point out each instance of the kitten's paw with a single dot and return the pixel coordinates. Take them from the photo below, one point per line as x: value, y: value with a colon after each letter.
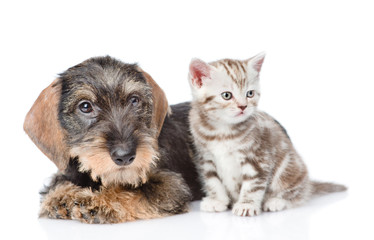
x: 275, y: 204
x: 246, y: 209
x: 213, y: 205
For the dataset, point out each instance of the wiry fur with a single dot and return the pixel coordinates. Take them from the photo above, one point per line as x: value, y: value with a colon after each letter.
x: 245, y: 157
x: 118, y: 203
x: 108, y: 84
x: 90, y: 185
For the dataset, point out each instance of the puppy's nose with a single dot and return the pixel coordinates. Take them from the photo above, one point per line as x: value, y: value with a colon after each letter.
x: 122, y: 157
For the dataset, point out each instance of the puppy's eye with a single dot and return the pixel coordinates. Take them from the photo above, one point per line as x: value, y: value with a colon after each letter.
x: 134, y: 100
x: 85, y: 107
x: 251, y: 94
x: 226, y: 95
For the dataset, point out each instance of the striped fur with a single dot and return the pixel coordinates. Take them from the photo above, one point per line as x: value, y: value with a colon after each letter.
x: 245, y: 157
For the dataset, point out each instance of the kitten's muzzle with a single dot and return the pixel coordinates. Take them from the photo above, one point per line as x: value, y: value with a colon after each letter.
x: 122, y: 156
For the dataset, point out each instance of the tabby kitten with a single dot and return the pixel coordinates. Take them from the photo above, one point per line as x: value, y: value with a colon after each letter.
x: 245, y: 157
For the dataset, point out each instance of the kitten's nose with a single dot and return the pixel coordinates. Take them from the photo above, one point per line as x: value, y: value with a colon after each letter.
x: 242, y: 107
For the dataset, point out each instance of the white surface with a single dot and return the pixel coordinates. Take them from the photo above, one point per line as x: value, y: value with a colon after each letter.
x: 317, y: 80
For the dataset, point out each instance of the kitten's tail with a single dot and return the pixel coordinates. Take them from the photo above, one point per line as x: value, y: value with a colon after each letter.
x: 320, y: 188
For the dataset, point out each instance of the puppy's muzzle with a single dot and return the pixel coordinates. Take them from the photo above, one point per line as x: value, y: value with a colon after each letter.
x: 122, y: 156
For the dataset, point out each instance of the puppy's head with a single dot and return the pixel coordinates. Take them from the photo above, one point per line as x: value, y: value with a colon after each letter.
x: 105, y: 113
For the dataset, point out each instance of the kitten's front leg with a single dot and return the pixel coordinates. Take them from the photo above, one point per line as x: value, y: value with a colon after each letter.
x: 252, y: 191
x: 216, y: 199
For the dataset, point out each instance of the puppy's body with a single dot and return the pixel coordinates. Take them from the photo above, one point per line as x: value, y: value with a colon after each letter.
x: 176, y: 147
x: 120, y: 156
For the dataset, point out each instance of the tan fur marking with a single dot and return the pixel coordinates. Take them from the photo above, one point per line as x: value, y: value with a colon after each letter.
x: 209, y: 162
x: 261, y: 172
x: 229, y: 73
x: 205, y: 122
x: 208, y: 99
x: 220, y: 137
x: 280, y: 155
x: 109, y: 205
x: 99, y: 162
x: 240, y: 63
x: 43, y: 127
x: 234, y: 69
x: 255, y: 189
x: 160, y: 103
x: 249, y: 178
x: 211, y: 174
x: 293, y: 176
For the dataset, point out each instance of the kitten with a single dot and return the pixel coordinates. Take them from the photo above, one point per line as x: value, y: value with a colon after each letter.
x: 245, y: 157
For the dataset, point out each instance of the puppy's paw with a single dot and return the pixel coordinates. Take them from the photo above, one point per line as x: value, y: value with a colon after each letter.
x: 92, y: 207
x: 275, y: 204
x: 68, y: 201
x: 87, y: 212
x: 56, y: 208
x: 213, y: 205
x: 59, y: 202
x: 246, y: 209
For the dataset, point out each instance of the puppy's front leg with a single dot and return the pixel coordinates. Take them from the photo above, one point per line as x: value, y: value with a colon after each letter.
x: 164, y: 194
x: 59, y: 201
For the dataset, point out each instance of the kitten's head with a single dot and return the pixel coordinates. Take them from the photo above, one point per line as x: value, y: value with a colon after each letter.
x: 226, y: 90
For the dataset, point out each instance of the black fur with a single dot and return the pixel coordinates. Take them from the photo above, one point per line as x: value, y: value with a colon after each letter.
x: 176, y: 147
x: 72, y: 174
x: 81, y: 179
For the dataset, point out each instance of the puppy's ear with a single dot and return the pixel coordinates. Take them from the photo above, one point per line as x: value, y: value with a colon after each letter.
x: 160, y: 103
x: 44, y: 129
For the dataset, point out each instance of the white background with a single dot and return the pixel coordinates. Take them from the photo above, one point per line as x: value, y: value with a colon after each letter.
x: 317, y: 80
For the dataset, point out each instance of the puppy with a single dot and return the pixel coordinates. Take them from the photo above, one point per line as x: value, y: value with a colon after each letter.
x: 120, y: 155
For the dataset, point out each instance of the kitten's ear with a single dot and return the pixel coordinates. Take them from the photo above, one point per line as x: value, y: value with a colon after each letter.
x: 256, y: 62
x: 198, y: 70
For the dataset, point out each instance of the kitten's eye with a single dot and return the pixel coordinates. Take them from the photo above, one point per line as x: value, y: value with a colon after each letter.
x: 251, y: 94
x: 85, y: 107
x: 134, y: 100
x: 226, y: 95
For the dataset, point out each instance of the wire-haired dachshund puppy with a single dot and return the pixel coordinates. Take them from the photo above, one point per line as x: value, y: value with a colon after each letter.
x: 121, y: 154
